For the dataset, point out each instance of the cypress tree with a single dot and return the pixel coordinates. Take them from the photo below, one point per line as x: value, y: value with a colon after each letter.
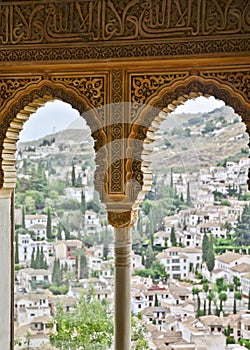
x: 243, y: 227
x: 59, y: 232
x: 73, y: 175
x: 49, y: 224
x: 16, y: 249
x: 156, y: 300
x: 106, y: 245
x: 210, y: 255
x: 57, y: 273
x: 189, y: 202
x: 171, y: 179
x: 205, y: 247
x: 32, y: 262
x: 83, y: 203
x: 23, y: 216
x: 173, y: 237
x: 37, y: 259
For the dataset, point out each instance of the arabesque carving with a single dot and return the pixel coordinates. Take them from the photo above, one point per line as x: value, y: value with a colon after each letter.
x: 239, y: 80
x: 91, y: 87
x: 10, y: 85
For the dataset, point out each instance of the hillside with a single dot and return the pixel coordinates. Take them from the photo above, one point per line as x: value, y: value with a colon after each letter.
x: 190, y: 141
x: 185, y: 142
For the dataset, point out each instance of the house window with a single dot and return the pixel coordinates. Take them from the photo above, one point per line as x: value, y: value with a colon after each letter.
x: 175, y: 268
x: 176, y: 261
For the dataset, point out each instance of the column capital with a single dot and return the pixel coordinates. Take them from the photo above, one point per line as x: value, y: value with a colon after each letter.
x: 6, y: 192
x: 121, y: 219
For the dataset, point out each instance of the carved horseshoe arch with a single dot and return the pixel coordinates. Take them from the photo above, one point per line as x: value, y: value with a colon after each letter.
x: 166, y: 99
x: 25, y: 102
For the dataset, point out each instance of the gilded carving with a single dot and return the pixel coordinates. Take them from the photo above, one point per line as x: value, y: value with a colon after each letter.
x: 116, y: 135
x: 66, y: 21
x: 238, y: 80
x: 10, y: 85
x: 122, y: 219
x: 29, y: 30
x: 91, y: 87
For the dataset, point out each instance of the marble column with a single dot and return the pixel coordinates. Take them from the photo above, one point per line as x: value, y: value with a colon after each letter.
x: 6, y: 292
x: 122, y: 222
x: 123, y: 288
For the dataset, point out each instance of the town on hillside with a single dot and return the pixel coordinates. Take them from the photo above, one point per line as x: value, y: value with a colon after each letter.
x: 190, y: 263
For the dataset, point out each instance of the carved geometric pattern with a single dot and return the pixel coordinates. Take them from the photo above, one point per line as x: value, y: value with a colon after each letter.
x: 153, y: 50
x: 116, y: 135
x: 9, y: 86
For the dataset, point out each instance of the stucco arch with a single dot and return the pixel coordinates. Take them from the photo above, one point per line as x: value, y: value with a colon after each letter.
x: 164, y: 101
x: 26, y: 101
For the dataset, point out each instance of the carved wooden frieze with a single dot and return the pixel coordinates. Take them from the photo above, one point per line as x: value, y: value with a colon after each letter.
x: 130, y: 28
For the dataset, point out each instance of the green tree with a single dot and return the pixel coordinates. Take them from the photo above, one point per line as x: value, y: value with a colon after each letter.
x: 211, y: 297
x: 173, y: 237
x: 222, y: 298
x: 189, y: 201
x: 210, y: 255
x: 243, y: 227
x: 156, y: 300
x: 196, y: 291
x: 150, y: 256
x: 236, y: 283
x: 59, y: 232
x: 37, y: 258
x: 16, y: 249
x: 90, y: 327
x: 205, y: 288
x: 205, y: 247
x: 146, y: 206
x: 83, y: 203
x: 32, y: 262
x: 81, y: 263
x: 73, y: 175
x: 237, y: 296
x: 57, y: 273
x: 23, y: 216
x: 138, y: 333
x: 49, y: 224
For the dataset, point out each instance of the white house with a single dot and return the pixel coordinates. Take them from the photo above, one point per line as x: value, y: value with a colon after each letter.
x: 179, y: 262
x: 35, y: 219
x: 33, y: 278
x: 39, y: 231
x: 28, y: 307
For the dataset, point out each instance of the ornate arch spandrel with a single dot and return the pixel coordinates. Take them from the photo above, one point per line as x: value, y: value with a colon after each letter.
x: 166, y: 99
x: 26, y: 101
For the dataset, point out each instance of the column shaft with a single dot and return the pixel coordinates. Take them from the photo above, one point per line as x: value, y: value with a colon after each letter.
x: 5, y: 263
x: 123, y: 288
